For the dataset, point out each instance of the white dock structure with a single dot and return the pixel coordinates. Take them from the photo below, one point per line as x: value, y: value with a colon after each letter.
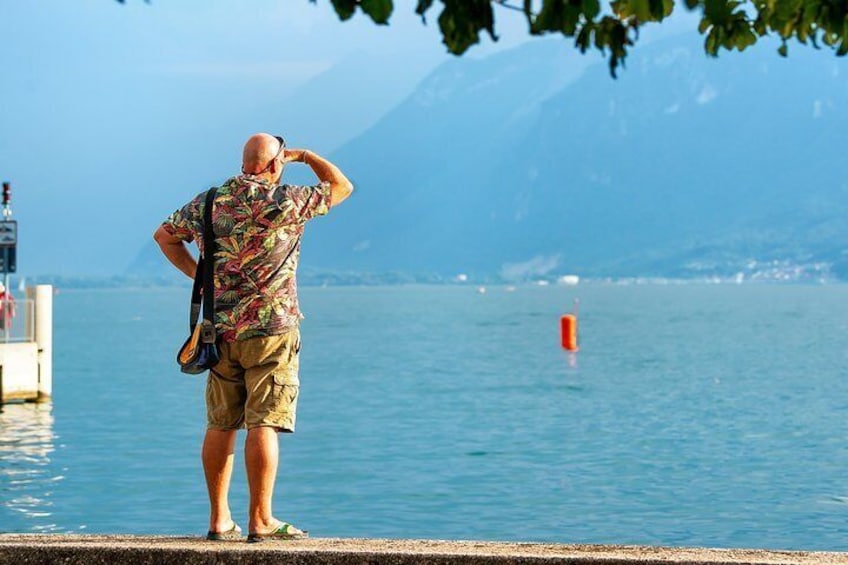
x: 26, y: 347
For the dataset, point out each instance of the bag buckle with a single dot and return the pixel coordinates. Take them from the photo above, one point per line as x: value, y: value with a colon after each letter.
x: 207, y: 332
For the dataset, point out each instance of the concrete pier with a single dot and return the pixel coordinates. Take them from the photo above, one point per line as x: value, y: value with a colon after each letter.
x: 93, y: 550
x: 26, y: 348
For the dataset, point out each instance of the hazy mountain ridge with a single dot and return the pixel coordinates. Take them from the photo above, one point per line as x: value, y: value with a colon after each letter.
x: 682, y: 156
x: 532, y: 163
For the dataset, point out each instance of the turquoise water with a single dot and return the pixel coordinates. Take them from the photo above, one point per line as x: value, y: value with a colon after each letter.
x: 693, y: 415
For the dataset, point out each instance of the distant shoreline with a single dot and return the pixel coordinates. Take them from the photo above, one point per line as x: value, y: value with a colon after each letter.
x: 122, y: 282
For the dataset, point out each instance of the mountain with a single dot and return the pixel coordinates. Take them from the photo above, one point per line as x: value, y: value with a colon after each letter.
x: 528, y: 163
x: 534, y: 162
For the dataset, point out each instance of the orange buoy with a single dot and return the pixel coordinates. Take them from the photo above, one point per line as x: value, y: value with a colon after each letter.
x: 568, y: 330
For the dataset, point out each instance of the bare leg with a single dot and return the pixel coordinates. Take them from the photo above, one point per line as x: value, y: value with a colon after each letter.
x: 218, y: 467
x: 261, y: 454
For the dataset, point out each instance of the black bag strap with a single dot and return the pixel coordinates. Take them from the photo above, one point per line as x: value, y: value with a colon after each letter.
x: 209, y: 263
x: 196, y: 294
x: 204, y: 276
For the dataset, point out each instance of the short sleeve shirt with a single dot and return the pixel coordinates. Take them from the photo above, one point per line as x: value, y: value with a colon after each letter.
x: 258, y: 228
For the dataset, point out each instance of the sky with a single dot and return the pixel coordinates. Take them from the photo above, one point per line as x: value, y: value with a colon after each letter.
x: 93, y: 90
x: 108, y: 106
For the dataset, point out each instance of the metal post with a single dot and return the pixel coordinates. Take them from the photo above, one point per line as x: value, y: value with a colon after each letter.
x: 7, y: 215
x: 43, y: 295
x: 7, y: 310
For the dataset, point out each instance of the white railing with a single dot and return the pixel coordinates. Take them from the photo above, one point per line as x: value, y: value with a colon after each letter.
x: 17, y: 320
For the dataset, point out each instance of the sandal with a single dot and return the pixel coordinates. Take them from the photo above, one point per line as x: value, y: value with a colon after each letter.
x: 284, y: 531
x: 232, y: 534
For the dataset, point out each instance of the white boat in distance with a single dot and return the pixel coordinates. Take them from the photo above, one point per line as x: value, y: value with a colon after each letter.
x: 569, y: 280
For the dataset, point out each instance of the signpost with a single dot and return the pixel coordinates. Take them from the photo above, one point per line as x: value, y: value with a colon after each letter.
x: 8, y: 236
x: 8, y: 246
x: 8, y: 256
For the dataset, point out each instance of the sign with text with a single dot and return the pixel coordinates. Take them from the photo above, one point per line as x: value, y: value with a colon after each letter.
x: 8, y: 259
x: 8, y: 233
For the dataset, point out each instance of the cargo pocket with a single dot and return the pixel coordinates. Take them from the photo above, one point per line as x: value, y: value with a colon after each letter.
x: 279, y: 384
x: 284, y: 411
x: 283, y: 382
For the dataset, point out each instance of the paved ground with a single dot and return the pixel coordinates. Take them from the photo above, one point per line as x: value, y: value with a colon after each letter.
x: 70, y: 549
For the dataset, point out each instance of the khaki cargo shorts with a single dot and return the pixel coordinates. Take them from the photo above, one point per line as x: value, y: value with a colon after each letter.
x: 255, y: 384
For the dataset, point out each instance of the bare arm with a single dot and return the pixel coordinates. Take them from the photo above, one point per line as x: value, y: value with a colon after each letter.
x: 176, y: 252
x: 340, y: 186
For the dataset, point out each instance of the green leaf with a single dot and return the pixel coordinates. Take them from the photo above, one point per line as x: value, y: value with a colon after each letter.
x: 711, y: 44
x: 641, y: 9
x: 760, y: 26
x: 344, y: 8
x: 461, y: 22
x: 725, y: 24
x: 549, y: 17
x: 657, y: 9
x: 745, y: 39
x: 570, y: 19
x: 584, y: 38
x: 379, y: 10
x: 591, y: 9
x: 423, y: 6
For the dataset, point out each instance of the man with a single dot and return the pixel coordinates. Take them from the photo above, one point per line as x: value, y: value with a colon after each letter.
x: 258, y: 225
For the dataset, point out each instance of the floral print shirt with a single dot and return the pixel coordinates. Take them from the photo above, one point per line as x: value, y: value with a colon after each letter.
x: 258, y: 228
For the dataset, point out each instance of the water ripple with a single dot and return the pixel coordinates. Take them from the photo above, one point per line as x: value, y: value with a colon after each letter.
x: 26, y: 444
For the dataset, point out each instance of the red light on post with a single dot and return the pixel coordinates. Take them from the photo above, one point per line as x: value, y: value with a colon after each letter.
x: 7, y: 193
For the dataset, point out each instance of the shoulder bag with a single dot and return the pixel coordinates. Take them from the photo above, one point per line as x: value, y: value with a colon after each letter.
x: 200, y: 351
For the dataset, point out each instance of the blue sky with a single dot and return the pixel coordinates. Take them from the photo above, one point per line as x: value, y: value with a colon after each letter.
x: 112, y: 115
x: 106, y: 104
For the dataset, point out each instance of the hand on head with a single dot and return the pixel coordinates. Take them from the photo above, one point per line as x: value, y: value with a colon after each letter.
x: 293, y: 155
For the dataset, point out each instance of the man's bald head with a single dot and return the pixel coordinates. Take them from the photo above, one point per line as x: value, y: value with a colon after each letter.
x: 258, y: 152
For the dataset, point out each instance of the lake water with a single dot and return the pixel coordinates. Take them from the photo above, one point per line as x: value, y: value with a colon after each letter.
x: 696, y: 415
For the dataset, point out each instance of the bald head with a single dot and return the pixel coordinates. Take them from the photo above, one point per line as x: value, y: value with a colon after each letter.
x: 259, y: 150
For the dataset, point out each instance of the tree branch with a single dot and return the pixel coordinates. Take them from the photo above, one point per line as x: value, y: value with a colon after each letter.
x: 614, y: 27
x: 505, y: 4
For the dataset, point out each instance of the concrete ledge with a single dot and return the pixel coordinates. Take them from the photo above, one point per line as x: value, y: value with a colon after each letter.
x: 91, y: 550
